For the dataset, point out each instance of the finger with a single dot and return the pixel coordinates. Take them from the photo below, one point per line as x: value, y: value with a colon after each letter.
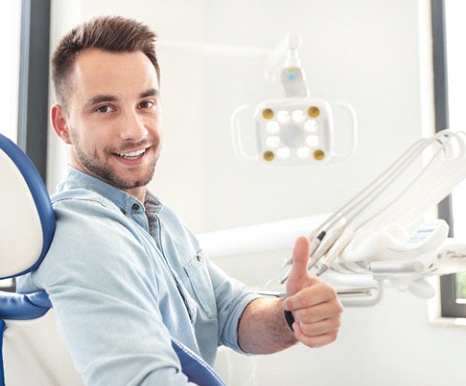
x: 317, y: 292
x: 320, y: 326
x: 301, y: 332
x: 322, y: 312
x: 298, y: 277
x: 300, y: 258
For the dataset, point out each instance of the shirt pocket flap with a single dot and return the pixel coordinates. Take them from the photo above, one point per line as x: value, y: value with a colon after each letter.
x: 198, y: 274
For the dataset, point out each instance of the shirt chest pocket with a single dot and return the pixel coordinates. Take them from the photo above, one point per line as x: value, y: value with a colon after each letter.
x: 201, y: 285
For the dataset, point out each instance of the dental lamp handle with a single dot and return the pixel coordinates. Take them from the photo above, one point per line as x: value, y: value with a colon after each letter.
x: 354, y: 129
x: 236, y: 134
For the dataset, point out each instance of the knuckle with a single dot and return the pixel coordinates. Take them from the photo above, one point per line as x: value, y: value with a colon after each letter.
x: 332, y: 292
x: 338, y: 307
x: 338, y: 323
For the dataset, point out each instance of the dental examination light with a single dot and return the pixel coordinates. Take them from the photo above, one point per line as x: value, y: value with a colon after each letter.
x: 380, y: 236
x: 296, y: 129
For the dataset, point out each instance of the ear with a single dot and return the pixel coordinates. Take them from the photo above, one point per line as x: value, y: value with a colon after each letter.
x: 59, y: 123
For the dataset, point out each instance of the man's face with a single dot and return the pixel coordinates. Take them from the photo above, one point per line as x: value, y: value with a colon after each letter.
x: 112, y: 120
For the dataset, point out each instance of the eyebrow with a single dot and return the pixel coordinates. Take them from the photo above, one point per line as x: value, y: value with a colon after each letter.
x: 111, y: 98
x: 150, y: 92
x: 101, y: 98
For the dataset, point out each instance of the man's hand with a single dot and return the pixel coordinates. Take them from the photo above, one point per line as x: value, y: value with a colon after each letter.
x: 313, y: 303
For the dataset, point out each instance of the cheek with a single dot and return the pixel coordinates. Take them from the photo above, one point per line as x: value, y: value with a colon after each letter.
x: 85, y: 140
x: 153, y: 126
x: 85, y: 132
x: 75, y: 138
x: 157, y: 127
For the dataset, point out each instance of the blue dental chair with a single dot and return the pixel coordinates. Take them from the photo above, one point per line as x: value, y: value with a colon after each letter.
x: 27, y: 225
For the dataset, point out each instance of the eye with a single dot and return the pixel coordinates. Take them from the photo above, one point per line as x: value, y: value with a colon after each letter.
x: 104, y: 109
x: 146, y: 104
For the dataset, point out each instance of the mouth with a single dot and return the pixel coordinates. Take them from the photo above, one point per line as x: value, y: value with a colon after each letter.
x: 132, y: 155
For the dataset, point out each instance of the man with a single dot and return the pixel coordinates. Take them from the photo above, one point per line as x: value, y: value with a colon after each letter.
x: 123, y: 273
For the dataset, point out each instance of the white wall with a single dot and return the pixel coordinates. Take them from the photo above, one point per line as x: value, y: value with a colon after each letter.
x: 372, y: 54
x: 9, y: 76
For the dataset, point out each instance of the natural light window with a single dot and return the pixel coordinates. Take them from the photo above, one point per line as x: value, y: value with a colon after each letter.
x: 453, y: 287
x: 456, y: 64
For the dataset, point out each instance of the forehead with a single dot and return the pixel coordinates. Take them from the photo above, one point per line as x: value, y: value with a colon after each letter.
x: 117, y: 73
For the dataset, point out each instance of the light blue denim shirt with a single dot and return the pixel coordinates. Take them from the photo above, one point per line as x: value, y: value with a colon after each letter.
x: 124, y: 277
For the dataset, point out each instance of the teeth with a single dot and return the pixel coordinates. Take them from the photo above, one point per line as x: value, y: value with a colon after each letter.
x: 133, y: 154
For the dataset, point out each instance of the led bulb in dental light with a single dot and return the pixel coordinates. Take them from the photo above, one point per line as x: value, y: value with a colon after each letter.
x: 298, y: 116
x: 272, y: 127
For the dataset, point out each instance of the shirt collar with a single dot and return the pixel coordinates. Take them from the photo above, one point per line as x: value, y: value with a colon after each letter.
x: 76, y: 179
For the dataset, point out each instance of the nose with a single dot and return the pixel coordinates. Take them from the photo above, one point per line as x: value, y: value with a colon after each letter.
x: 132, y: 127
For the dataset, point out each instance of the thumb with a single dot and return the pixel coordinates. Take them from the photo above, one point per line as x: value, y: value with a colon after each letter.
x: 298, y: 277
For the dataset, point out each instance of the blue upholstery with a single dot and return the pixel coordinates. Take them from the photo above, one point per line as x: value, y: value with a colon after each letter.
x: 15, y: 306
x: 194, y: 367
x: 38, y: 192
x: 23, y: 307
x: 2, y: 375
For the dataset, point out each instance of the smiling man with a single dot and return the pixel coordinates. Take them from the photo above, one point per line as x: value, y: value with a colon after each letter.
x: 123, y: 273
x: 113, y: 127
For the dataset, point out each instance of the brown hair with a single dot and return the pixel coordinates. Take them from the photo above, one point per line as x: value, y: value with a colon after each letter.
x: 109, y: 33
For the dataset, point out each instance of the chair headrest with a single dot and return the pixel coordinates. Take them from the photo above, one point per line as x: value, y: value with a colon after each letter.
x: 27, y: 222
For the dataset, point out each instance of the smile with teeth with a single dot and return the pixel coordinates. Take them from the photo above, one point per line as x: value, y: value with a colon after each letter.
x: 133, y: 154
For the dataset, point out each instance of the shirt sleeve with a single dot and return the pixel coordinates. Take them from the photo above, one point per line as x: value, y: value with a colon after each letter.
x: 232, y: 299
x: 106, y: 309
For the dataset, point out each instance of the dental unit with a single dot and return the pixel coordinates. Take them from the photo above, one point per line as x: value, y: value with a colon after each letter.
x: 380, y: 235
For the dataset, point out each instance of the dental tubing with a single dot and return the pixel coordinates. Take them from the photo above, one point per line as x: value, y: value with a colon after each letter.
x: 401, y: 194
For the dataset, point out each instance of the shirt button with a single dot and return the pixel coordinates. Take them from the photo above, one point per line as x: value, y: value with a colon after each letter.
x: 198, y: 257
x: 135, y: 207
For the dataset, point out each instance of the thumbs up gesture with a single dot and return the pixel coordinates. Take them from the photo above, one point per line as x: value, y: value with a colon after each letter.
x: 313, y: 303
